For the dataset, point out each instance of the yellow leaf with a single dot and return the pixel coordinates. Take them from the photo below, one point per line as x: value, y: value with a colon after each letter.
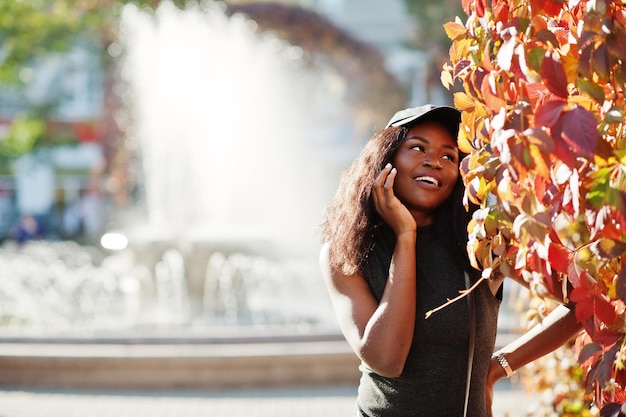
x: 463, y: 102
x: 460, y: 49
x: 446, y: 79
x: 570, y: 66
x: 468, y: 120
x: 584, y: 102
x: 454, y: 30
x: 465, y: 144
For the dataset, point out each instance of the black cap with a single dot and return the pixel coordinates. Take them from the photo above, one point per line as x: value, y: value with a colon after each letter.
x: 447, y: 116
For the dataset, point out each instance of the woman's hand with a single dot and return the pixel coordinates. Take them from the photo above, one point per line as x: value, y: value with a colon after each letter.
x: 388, y: 206
x: 493, y: 375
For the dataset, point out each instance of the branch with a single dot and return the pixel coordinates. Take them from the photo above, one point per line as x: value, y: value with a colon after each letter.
x: 462, y: 294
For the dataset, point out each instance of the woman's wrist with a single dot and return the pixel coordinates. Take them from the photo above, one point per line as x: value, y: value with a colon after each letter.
x: 503, y: 363
x: 406, y: 234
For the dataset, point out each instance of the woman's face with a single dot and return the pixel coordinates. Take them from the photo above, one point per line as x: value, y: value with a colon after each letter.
x: 428, y: 168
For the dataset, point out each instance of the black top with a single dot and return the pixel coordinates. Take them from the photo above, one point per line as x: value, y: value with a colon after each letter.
x: 433, y: 381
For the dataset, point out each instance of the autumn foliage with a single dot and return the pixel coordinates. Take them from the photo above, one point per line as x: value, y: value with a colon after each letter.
x: 543, y: 125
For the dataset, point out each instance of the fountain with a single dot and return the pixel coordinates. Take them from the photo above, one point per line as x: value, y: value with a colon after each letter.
x: 219, y: 285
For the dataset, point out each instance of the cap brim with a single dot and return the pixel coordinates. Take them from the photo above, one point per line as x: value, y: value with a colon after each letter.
x: 444, y: 114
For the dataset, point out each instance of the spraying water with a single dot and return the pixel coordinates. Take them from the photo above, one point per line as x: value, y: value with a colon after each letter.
x: 237, y: 153
x: 229, y: 125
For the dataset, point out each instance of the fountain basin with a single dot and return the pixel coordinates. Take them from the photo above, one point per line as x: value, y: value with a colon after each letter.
x: 155, y: 363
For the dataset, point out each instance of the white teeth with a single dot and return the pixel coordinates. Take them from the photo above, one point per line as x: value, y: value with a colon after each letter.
x: 427, y: 179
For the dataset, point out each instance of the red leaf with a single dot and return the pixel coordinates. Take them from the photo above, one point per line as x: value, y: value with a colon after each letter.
x: 548, y: 113
x: 481, y: 6
x: 553, y: 75
x: 580, y: 130
x: 584, y: 305
x: 577, y: 131
x: 563, y: 151
x: 478, y: 5
x: 606, y: 337
x: 613, y: 222
x: 591, y: 302
x: 550, y: 7
x: 573, y: 276
x: 588, y: 351
x: 500, y: 10
x: 605, y: 311
x: 558, y: 255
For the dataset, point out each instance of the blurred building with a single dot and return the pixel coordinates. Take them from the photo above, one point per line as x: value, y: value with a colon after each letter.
x: 66, y: 89
x: 387, y: 26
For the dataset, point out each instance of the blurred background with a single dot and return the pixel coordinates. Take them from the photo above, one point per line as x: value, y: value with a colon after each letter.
x: 164, y: 166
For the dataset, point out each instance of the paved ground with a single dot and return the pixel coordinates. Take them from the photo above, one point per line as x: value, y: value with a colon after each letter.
x: 324, y: 402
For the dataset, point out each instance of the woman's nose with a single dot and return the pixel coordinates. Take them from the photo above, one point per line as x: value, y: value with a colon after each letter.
x: 432, y: 162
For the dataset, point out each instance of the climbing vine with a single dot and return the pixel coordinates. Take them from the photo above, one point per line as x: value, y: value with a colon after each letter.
x: 542, y: 105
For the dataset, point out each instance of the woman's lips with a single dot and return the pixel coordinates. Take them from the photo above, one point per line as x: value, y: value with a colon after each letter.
x: 428, y: 180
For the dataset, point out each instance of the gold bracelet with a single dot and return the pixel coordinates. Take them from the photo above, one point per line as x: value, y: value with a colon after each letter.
x: 504, y: 363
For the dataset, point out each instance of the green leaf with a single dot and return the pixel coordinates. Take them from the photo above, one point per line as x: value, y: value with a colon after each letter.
x: 593, y: 90
x: 534, y: 58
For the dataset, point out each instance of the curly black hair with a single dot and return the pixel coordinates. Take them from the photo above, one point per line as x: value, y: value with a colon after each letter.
x: 351, y: 224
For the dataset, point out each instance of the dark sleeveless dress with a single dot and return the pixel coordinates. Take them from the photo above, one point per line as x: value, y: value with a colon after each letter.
x: 433, y: 381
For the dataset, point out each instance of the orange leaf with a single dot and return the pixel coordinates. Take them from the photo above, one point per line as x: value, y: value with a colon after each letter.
x: 489, y: 90
x: 541, y: 161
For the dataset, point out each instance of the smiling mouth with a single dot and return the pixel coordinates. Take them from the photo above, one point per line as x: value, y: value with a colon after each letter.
x: 428, y: 180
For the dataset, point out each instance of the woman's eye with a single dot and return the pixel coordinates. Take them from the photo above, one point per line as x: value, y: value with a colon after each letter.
x: 418, y: 148
x: 449, y: 157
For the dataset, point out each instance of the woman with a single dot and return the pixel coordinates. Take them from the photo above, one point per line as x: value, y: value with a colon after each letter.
x: 395, y: 247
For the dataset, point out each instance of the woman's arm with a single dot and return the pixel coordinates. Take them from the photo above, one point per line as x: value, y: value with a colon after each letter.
x: 555, y: 330
x: 379, y: 333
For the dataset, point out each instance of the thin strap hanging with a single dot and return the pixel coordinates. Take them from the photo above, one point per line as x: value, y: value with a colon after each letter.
x: 472, y: 341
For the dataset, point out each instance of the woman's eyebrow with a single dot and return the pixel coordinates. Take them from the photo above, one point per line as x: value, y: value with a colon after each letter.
x: 426, y: 141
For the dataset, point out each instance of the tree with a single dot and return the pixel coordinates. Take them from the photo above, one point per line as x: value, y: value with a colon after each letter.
x: 543, y: 124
